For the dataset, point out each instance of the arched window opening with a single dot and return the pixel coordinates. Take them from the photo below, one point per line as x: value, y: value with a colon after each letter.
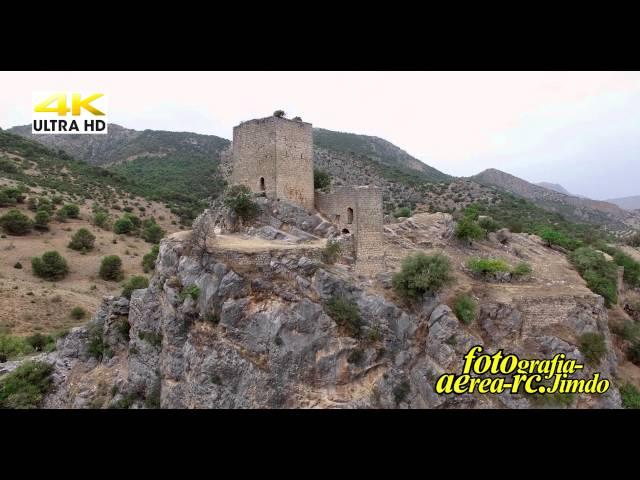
x: 344, y: 230
x: 349, y: 215
x: 262, y: 188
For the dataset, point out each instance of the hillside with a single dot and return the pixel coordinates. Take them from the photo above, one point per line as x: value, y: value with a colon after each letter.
x: 555, y: 187
x: 573, y: 208
x: 628, y: 203
x: 181, y: 168
x: 176, y: 168
x: 44, y: 177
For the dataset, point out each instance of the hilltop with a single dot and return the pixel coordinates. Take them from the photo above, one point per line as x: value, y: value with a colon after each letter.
x: 573, y: 208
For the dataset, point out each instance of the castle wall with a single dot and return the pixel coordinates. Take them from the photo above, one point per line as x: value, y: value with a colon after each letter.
x: 254, y: 155
x: 278, y: 152
x: 366, y: 218
x: 294, y: 162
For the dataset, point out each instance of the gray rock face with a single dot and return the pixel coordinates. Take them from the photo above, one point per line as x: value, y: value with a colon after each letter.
x: 267, y: 341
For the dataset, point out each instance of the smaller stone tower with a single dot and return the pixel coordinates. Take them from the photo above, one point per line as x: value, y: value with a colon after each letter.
x: 358, y: 210
x: 275, y: 155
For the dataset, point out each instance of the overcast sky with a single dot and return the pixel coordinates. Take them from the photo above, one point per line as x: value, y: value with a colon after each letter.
x: 579, y: 129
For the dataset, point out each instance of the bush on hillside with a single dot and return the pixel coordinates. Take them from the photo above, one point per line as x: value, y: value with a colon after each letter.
x: 149, y: 259
x: 331, y: 252
x: 345, y: 313
x: 82, y: 240
x: 123, y: 225
x: 26, y: 386
x: 72, y: 210
x: 51, y: 266
x: 487, y: 266
x: 592, y: 346
x: 321, y: 180
x: 421, y: 274
x: 134, y: 283
x: 402, y: 212
x: 111, y: 268
x: 153, y: 233
x: 240, y: 200
x: 467, y: 229
x: 15, y: 222
x: 600, y: 274
x: 41, y: 220
x: 465, y: 307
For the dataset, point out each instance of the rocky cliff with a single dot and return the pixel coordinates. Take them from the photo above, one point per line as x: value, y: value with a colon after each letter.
x: 213, y: 331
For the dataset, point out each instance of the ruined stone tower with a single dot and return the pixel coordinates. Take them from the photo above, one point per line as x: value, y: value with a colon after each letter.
x: 275, y: 155
x: 358, y: 210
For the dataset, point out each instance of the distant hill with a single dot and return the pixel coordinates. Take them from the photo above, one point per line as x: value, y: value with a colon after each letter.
x: 628, y: 203
x: 571, y: 207
x: 555, y: 187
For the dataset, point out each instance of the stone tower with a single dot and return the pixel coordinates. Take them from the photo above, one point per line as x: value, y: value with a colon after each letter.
x: 358, y: 210
x: 275, y: 155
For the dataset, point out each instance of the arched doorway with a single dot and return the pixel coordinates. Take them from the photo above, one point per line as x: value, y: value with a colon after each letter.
x: 349, y: 215
x: 344, y: 230
x: 262, y: 188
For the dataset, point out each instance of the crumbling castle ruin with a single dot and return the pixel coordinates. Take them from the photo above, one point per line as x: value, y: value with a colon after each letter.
x: 274, y: 155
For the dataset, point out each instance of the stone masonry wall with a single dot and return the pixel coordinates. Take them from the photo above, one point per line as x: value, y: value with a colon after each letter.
x: 254, y: 155
x: 294, y: 162
x: 275, y: 155
x: 359, y: 211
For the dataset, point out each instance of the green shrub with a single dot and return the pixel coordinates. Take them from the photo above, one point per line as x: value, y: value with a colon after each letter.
x: 631, y: 267
x: 72, y: 210
x: 630, y: 396
x: 32, y: 204
x: 101, y: 220
x: 600, y: 274
x: 240, y: 200
x: 82, y: 240
x: 51, y: 266
x: 41, y: 220
x: 96, y: 347
x: 123, y: 225
x: 26, y: 386
x: 321, y: 180
x: 111, y: 268
x: 124, y: 327
x: 487, y: 266
x: 465, y: 307
x: 39, y: 341
x: 134, y: 283
x: 553, y: 237
x: 78, y: 313
x: 56, y: 200
x: 191, y: 291
x: 12, y: 347
x: 421, y: 274
x: 15, y: 222
x: 489, y: 224
x: 6, y: 200
x: 522, y: 269
x: 46, y: 205
x: 468, y: 229
x: 149, y: 259
x: 402, y: 212
x: 133, y: 219
x: 345, y: 313
x: 61, y: 215
x: 153, y: 233
x: 592, y: 347
x: 331, y: 252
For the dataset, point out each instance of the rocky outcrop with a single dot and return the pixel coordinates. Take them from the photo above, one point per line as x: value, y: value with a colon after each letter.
x: 206, y: 335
